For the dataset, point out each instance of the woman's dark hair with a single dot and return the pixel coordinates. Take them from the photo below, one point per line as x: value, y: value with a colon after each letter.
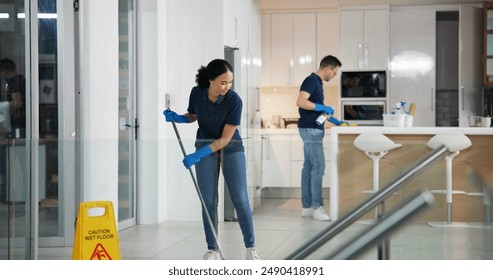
x: 215, y: 68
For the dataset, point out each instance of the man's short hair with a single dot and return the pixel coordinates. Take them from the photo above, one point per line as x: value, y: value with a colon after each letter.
x: 331, y: 61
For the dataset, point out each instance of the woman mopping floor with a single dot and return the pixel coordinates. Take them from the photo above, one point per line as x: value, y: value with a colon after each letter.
x: 217, y: 109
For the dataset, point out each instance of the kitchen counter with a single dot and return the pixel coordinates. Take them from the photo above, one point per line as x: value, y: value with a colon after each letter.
x: 282, y: 131
x: 351, y: 170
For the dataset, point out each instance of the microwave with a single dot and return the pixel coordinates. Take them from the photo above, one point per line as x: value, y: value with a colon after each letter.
x: 363, y: 84
x: 363, y: 112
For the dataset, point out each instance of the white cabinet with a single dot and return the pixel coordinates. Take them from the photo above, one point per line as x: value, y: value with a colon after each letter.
x: 304, y: 46
x: 297, y: 159
x: 364, y: 34
x: 281, y: 49
x: 412, y: 61
x: 470, y: 66
x: 327, y: 35
x: 293, y: 51
x: 265, y: 49
x: 294, y: 43
x: 276, y: 161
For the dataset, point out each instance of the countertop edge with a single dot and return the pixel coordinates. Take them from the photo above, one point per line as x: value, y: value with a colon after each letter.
x: 412, y: 130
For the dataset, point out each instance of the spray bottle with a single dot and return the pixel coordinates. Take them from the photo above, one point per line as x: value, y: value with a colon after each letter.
x: 322, y: 118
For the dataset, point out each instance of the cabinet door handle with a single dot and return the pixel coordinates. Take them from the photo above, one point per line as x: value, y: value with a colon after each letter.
x: 360, y: 56
x: 432, y: 99
x: 463, y: 97
x: 236, y: 31
x: 266, y: 146
x: 366, y: 57
x: 291, y: 69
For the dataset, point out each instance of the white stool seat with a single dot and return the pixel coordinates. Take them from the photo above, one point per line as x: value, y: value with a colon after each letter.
x: 374, y: 143
x: 454, y: 141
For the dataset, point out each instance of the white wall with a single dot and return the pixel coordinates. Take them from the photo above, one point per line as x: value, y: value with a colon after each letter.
x: 194, y: 36
x: 173, y: 43
x: 99, y: 100
x: 151, y: 78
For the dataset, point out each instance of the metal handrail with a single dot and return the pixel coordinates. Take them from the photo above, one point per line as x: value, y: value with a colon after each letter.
x: 390, y: 223
x: 367, y: 205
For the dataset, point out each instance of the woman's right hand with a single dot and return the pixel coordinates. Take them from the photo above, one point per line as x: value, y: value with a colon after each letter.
x: 171, y: 116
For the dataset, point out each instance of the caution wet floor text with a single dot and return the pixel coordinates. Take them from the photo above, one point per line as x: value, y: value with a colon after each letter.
x: 96, y: 237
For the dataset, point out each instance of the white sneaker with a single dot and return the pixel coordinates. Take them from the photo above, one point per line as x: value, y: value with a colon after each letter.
x: 211, y: 255
x: 320, y: 214
x: 307, y: 212
x: 251, y: 254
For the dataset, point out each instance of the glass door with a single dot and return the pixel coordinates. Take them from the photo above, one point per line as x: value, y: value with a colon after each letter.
x: 50, y: 210
x: 35, y: 207
x: 15, y: 145
x: 128, y: 126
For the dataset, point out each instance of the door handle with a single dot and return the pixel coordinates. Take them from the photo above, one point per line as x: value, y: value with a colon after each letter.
x: 136, y: 128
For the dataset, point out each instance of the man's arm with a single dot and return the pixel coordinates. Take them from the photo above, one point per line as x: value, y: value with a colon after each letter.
x: 303, y: 101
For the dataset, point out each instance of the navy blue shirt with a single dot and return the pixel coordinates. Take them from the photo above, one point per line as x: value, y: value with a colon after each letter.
x: 212, y: 117
x: 312, y: 84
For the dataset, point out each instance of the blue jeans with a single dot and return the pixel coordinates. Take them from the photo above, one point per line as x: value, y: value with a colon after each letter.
x: 234, y: 171
x: 313, y: 167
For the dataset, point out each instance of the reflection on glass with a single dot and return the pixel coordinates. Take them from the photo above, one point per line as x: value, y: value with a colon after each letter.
x: 412, y: 64
x: 367, y: 112
x: 490, y: 20
x: 14, y: 172
x: 50, y: 217
x: 489, y: 44
x: 363, y: 84
x: 489, y: 69
x: 126, y: 135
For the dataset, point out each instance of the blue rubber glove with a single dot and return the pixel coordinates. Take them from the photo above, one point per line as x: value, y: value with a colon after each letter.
x: 192, y: 159
x: 340, y: 123
x: 335, y: 121
x: 322, y: 108
x: 172, y: 116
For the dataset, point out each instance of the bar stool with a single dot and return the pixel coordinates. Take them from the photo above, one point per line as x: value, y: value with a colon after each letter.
x: 455, y: 142
x: 375, y: 146
x: 475, y: 179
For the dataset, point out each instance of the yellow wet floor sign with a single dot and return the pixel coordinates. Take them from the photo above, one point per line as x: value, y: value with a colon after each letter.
x: 96, y: 237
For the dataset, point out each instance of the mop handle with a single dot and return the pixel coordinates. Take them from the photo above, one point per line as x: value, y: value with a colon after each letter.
x: 202, y: 201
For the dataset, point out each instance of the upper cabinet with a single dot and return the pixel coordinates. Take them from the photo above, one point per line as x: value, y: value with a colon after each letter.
x: 488, y: 44
x: 327, y: 35
x: 435, y: 62
x: 304, y: 46
x: 282, y: 49
x: 293, y: 44
x: 364, y: 37
x: 412, y: 56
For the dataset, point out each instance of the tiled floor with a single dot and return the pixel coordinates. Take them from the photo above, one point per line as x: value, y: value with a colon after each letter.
x: 280, y: 230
